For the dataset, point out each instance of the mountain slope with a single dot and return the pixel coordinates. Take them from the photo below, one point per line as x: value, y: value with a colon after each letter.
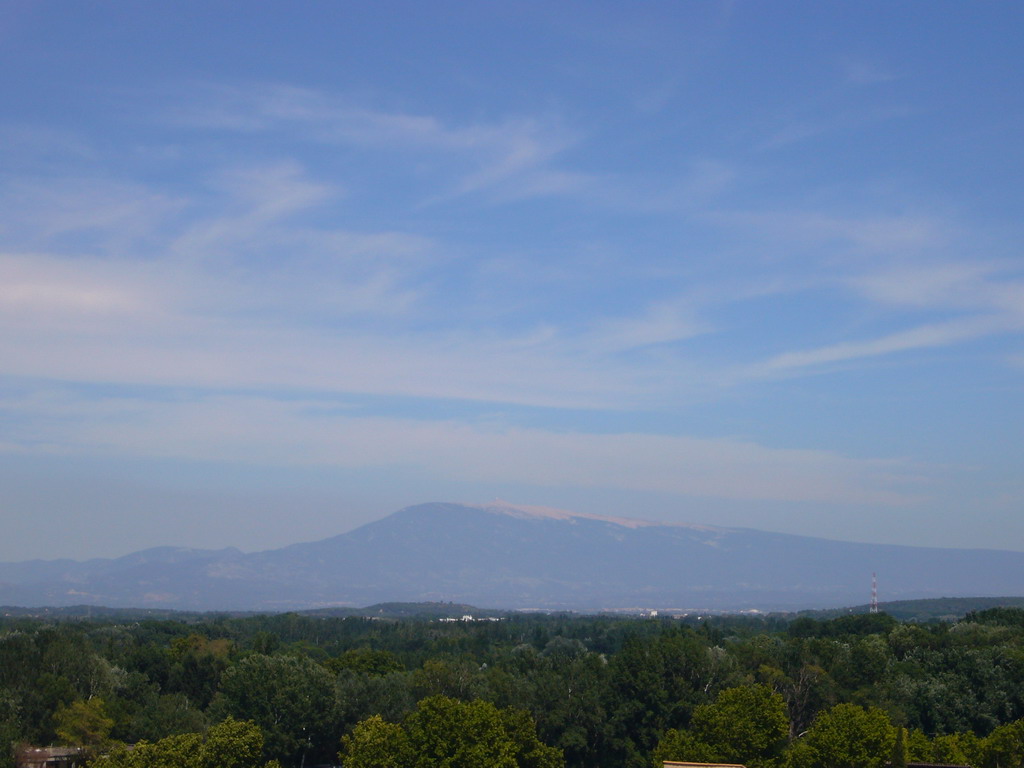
x: 520, y: 557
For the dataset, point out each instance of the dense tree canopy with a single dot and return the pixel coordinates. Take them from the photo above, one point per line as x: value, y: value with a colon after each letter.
x: 290, y: 697
x: 846, y: 736
x: 447, y: 733
x: 594, y: 691
x: 230, y: 744
x: 747, y: 725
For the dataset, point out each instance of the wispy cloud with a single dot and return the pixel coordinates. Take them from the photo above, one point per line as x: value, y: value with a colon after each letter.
x: 899, y: 235
x: 38, y: 287
x: 950, y: 285
x: 247, y: 282
x: 235, y: 352
x: 864, y: 71
x: 309, y: 432
x: 250, y: 282
x: 661, y: 323
x: 921, y: 337
x: 84, y: 212
x: 514, y: 155
x: 982, y: 299
x: 799, y: 128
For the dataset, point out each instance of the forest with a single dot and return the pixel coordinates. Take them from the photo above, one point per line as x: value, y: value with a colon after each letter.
x: 541, y: 691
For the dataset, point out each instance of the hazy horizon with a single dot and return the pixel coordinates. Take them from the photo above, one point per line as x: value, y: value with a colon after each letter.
x: 268, y: 274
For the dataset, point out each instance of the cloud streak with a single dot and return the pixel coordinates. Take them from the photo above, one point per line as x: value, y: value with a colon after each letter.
x: 512, y: 156
x: 922, y: 337
x: 982, y: 301
x: 310, y: 432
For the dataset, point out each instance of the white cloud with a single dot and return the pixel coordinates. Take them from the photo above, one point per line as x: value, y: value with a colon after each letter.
x: 45, y: 296
x: 28, y: 293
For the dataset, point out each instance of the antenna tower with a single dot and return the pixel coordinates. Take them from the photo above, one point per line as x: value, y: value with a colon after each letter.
x: 874, y: 594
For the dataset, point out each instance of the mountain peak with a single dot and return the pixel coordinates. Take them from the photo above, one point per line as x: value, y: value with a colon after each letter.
x: 525, y: 511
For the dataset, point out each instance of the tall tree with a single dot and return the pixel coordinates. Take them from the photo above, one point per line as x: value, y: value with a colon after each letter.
x: 846, y: 736
x: 1004, y: 747
x: 376, y: 743
x: 290, y: 698
x: 84, y: 724
x: 230, y: 744
x: 746, y: 724
x: 447, y: 733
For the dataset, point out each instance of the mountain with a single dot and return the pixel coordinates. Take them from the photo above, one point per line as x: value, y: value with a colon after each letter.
x: 507, y: 556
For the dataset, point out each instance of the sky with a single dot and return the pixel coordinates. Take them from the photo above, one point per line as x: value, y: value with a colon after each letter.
x: 270, y: 270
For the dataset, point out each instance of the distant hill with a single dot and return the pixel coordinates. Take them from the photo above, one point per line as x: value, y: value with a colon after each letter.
x: 940, y: 608
x: 510, y: 557
x: 409, y: 611
x: 106, y: 613
x: 380, y: 610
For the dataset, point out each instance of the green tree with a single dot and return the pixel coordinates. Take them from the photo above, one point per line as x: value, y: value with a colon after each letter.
x: 808, y: 689
x: 367, y: 660
x: 683, y: 746
x: 747, y: 724
x: 899, y: 750
x: 359, y: 695
x: 565, y: 695
x: 266, y: 643
x: 957, y: 749
x: 918, y: 747
x: 230, y: 744
x: 459, y: 679
x: 846, y: 736
x: 653, y: 685
x: 375, y: 743
x: 10, y: 726
x: 290, y: 698
x: 1004, y: 747
x: 447, y: 733
x: 161, y: 716
x: 84, y: 724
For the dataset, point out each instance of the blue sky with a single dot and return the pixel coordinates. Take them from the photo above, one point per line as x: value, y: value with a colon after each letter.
x: 269, y: 271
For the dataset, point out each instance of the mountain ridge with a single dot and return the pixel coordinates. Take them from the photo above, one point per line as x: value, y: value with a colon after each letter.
x: 510, y: 556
